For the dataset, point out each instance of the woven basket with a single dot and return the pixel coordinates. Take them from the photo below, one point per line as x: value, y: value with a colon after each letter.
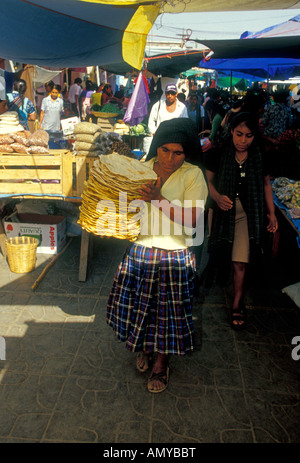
x: 21, y: 253
x: 104, y: 115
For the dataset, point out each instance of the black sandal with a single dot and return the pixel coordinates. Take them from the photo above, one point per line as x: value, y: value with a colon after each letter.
x: 238, y: 318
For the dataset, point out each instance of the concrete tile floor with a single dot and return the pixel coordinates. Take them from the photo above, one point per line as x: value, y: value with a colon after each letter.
x: 67, y: 379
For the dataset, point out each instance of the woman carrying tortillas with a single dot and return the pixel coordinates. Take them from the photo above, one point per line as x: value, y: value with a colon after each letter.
x: 150, y: 304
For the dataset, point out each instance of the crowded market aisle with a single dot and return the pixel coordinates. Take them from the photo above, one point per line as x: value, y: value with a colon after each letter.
x: 67, y: 379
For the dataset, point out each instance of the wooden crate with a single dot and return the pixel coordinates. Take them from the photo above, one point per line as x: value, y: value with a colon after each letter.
x: 59, y: 173
x: 106, y: 124
x: 76, y: 171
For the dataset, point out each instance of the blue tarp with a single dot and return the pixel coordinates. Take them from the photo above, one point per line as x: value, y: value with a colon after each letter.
x: 260, y: 55
x: 275, y: 68
x: 60, y: 34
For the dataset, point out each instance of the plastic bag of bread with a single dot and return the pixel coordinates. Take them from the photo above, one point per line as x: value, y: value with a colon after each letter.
x: 39, y: 138
x: 19, y: 148
x: 6, y: 139
x: 6, y: 148
x: 20, y: 137
x: 86, y: 127
x: 38, y: 150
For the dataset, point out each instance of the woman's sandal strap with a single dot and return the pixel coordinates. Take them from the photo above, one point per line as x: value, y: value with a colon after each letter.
x: 162, y: 377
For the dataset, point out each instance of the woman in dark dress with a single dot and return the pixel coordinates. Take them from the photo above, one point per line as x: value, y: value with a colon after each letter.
x: 240, y: 187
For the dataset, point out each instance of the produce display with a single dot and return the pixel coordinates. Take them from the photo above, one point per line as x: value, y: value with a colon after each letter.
x: 110, y: 108
x: 288, y: 192
x: 139, y: 129
x: 122, y: 148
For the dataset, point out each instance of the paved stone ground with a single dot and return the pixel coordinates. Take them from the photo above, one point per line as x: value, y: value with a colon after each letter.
x: 67, y: 379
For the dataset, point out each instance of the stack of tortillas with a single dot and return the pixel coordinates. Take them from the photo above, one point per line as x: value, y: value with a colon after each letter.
x: 9, y: 122
x: 110, y: 205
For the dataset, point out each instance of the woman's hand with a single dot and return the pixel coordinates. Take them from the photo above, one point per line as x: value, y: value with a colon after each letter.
x: 224, y: 202
x: 151, y: 191
x: 272, y: 226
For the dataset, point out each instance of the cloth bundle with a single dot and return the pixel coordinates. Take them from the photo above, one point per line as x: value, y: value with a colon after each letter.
x: 109, y: 201
x: 25, y: 142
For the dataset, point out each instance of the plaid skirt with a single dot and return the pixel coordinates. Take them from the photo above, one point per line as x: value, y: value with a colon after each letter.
x: 150, y: 304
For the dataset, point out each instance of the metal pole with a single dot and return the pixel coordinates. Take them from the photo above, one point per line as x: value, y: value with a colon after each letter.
x: 97, y: 76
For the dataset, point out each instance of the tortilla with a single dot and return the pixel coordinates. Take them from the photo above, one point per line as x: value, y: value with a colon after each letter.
x: 113, y: 183
x: 130, y: 168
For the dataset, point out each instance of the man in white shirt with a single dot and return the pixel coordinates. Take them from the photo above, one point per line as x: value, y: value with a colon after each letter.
x: 164, y: 110
x: 74, y: 94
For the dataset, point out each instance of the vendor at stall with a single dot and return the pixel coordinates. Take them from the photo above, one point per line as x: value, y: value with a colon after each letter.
x: 108, y: 97
x: 51, y: 110
x: 17, y: 101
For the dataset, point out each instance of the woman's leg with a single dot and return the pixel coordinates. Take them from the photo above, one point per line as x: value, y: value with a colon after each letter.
x: 239, y: 273
x: 158, y: 380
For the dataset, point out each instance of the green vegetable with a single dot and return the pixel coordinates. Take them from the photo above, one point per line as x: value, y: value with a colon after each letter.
x: 139, y: 129
x: 110, y: 108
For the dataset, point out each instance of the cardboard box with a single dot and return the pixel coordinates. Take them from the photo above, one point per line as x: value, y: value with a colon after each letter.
x: 50, y: 230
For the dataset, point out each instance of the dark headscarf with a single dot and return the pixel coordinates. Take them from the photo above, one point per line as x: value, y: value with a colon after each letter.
x: 179, y: 130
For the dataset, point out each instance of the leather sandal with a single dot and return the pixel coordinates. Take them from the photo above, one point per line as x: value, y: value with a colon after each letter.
x: 238, y: 319
x: 162, y: 378
x: 144, y: 361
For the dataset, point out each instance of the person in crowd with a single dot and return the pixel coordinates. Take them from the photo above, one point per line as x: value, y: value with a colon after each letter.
x: 120, y: 93
x: 74, y: 94
x: 107, y: 94
x: 49, y: 86
x: 51, y: 109
x: 150, y: 304
x: 108, y: 97
x: 216, y: 115
x: 211, y: 94
x: 255, y: 101
x: 3, y: 106
x: 195, y: 111
x: 181, y: 97
x: 17, y: 101
x: 163, y: 110
x: 169, y: 108
x: 240, y: 187
x: 96, y: 97
x: 85, y: 99
x: 236, y: 107
x: 276, y: 118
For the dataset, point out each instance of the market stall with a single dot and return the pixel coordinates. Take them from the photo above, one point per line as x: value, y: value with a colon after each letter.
x: 29, y: 169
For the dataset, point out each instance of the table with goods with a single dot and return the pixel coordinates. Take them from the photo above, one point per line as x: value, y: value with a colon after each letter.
x: 30, y: 169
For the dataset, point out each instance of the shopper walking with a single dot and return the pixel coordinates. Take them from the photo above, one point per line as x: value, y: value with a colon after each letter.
x: 150, y: 304
x: 240, y: 186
